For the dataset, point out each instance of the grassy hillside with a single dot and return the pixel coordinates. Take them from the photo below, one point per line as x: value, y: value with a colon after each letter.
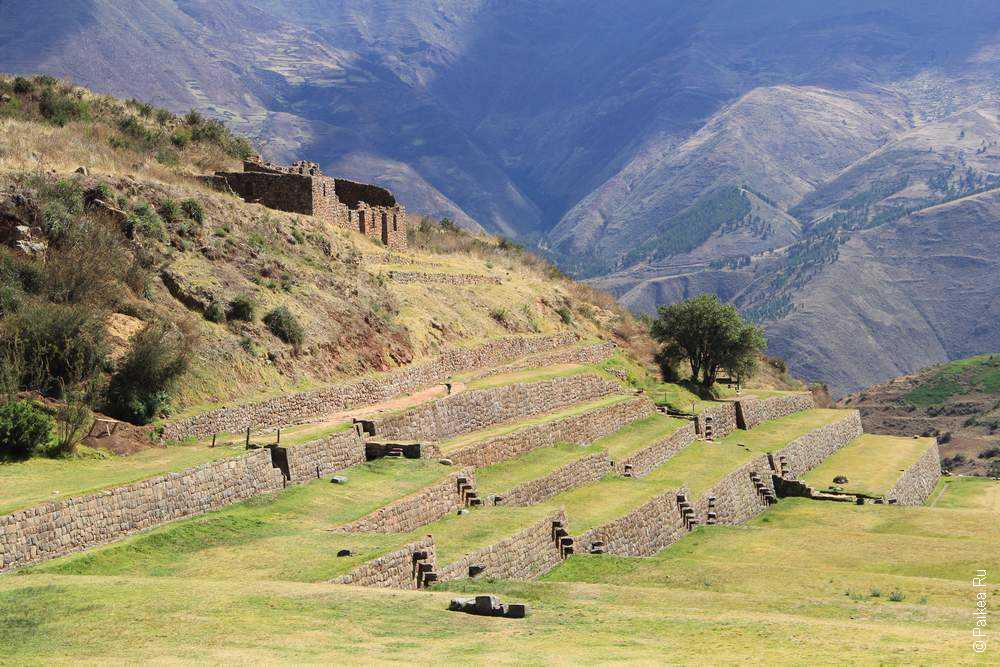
x: 958, y: 402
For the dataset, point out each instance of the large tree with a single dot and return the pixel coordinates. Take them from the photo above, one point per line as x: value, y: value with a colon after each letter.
x: 711, y: 336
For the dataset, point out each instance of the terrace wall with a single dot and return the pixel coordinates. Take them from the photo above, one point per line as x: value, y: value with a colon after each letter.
x: 474, y: 410
x: 916, y: 484
x: 577, y: 473
x: 417, y: 509
x: 398, y: 569
x: 808, y: 451
x: 587, y: 354
x: 442, y: 278
x: 65, y: 526
x: 751, y: 412
x: 316, y: 459
x: 646, y: 460
x: 290, y: 408
x: 737, y: 499
x: 723, y: 420
x: 526, y: 555
x: 580, y: 429
x: 642, y: 532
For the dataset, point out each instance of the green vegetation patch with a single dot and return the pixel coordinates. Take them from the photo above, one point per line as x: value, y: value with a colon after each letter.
x: 776, y: 433
x: 529, y: 466
x: 639, y: 434
x: 975, y: 374
x: 871, y: 464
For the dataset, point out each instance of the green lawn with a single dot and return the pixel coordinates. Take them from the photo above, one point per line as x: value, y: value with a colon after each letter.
x: 282, y: 536
x: 531, y: 465
x: 871, y: 464
x: 456, y: 535
x: 38, y: 480
x: 534, y: 375
x: 774, y: 434
x: 639, y: 434
x: 503, y: 429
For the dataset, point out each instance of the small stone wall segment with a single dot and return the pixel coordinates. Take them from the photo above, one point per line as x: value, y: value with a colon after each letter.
x: 751, y: 412
x: 579, y: 429
x: 290, y: 408
x: 442, y: 278
x: 720, y: 419
x: 577, y: 473
x: 587, y: 354
x: 526, y: 555
x: 916, y: 484
x: 474, y: 410
x: 403, y: 568
x: 735, y: 498
x: 319, y: 458
x: 66, y: 526
x: 808, y: 451
x: 417, y: 509
x: 642, y: 532
x: 649, y: 458
x: 282, y: 192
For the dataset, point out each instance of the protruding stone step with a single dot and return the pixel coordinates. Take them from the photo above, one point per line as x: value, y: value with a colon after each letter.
x: 430, y: 578
x: 424, y: 568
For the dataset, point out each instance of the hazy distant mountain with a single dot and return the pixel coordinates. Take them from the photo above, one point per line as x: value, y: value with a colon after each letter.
x: 759, y: 149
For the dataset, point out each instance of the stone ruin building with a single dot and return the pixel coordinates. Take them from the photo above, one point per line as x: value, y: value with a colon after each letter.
x: 303, y: 188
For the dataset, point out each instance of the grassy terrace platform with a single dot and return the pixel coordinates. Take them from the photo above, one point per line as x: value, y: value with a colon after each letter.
x: 774, y: 434
x: 38, y: 480
x: 285, y: 536
x: 638, y: 435
x: 457, y: 535
x: 503, y: 429
x: 871, y: 464
x: 531, y: 465
x: 535, y: 375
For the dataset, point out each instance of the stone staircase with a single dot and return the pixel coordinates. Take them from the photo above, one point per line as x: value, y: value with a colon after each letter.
x: 687, y: 512
x: 423, y: 569
x: 762, y: 489
x: 711, y: 516
x: 562, y: 537
x: 468, y: 492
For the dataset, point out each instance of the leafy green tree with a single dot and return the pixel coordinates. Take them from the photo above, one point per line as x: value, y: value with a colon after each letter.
x: 711, y: 336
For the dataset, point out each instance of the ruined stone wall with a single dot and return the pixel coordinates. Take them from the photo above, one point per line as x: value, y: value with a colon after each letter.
x: 751, y: 412
x: 417, y: 509
x: 442, y: 278
x: 916, y: 484
x: 735, y: 498
x: 290, y: 408
x: 647, y: 459
x: 474, y: 410
x: 577, y: 473
x: 312, y: 460
x: 527, y: 555
x: 283, y: 192
x: 721, y: 417
x: 642, y: 532
x: 808, y: 451
x: 399, y: 569
x: 580, y: 429
x: 62, y: 527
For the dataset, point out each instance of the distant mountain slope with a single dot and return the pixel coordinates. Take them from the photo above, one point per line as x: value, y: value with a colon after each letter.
x: 959, y: 402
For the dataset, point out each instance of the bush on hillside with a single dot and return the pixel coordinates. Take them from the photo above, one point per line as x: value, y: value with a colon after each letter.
x: 285, y: 326
x: 23, y: 429
x: 22, y: 86
x: 193, y: 209
x: 60, y: 107
x: 145, y: 222
x: 142, y: 384
x: 215, y: 313
x: 170, y: 211
x: 242, y: 308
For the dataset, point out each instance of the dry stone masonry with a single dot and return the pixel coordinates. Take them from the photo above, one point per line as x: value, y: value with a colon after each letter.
x: 645, y: 460
x: 420, y: 508
x: 528, y: 554
x: 579, y: 429
x: 717, y: 421
x: 750, y: 412
x: 577, y: 473
x: 739, y: 496
x: 584, y: 354
x: 426, y: 278
x: 323, y: 457
x: 411, y: 567
x: 290, y: 408
x: 302, y: 188
x: 474, y: 410
x: 808, y: 451
x: 915, y: 485
x: 642, y: 532
x: 62, y: 527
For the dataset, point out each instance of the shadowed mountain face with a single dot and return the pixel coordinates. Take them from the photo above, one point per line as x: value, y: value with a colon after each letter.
x: 661, y: 147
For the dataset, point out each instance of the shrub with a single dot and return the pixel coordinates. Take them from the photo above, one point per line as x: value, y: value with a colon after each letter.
x: 896, y: 596
x: 23, y: 86
x: 215, y: 313
x: 500, y: 315
x: 170, y: 211
x: 60, y: 108
x: 181, y: 138
x: 23, y: 429
x: 565, y: 315
x: 141, y: 386
x: 242, y: 308
x: 283, y: 324
x: 193, y: 209
x: 876, y: 592
x: 10, y: 300
x: 63, y: 203
x: 21, y: 273
x: 102, y: 192
x: 144, y: 221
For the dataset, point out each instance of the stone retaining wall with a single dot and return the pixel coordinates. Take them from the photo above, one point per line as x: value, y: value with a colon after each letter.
x: 580, y: 429
x: 751, y: 412
x: 736, y: 497
x: 62, y: 527
x: 649, y: 458
x: 442, y: 278
x: 417, y: 509
x: 723, y: 420
x: 644, y: 531
x: 291, y: 408
x: 527, y: 555
x: 587, y: 354
x: 398, y: 569
x: 916, y: 484
x: 316, y: 459
x: 577, y: 473
x: 474, y: 410
x: 808, y: 451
